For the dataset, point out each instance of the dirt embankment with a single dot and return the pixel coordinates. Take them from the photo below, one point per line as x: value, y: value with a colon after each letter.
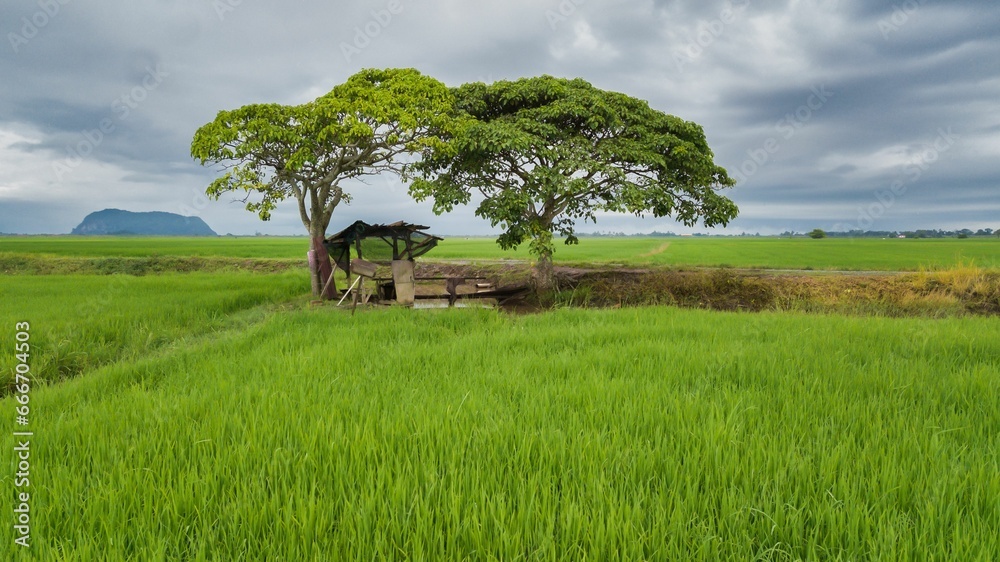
x: 947, y: 293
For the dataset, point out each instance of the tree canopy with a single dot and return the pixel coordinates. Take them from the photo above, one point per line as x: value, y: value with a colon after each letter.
x: 272, y: 152
x: 547, y: 152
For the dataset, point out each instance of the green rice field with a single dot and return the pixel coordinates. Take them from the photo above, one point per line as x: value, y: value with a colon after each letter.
x: 767, y: 253
x: 84, y: 321
x: 221, y: 416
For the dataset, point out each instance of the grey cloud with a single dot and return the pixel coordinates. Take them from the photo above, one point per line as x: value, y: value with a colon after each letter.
x: 892, y: 91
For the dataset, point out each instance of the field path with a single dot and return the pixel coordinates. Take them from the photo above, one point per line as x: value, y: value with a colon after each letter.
x: 660, y: 250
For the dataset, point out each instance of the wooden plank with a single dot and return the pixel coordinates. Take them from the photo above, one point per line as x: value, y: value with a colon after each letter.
x: 402, y: 276
x: 363, y: 267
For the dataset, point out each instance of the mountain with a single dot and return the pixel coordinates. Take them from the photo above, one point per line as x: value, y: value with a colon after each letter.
x: 156, y: 223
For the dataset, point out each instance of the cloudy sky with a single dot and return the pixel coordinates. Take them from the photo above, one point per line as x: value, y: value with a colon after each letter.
x: 837, y: 114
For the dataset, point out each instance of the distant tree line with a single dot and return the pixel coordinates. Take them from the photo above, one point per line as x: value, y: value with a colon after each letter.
x: 962, y: 233
x: 921, y: 233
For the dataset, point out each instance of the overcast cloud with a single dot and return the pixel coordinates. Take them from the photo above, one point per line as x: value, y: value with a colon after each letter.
x: 835, y: 114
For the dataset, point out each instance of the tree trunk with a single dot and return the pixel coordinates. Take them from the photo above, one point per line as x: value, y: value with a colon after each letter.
x: 543, y: 274
x: 324, y: 267
x: 313, y: 270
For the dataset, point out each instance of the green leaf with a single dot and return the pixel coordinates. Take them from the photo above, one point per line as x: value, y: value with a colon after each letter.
x: 365, y: 125
x: 546, y: 151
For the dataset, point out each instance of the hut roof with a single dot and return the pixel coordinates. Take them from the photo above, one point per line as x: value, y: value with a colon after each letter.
x: 380, y: 242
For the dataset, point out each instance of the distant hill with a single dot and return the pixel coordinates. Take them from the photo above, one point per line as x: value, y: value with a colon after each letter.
x: 156, y: 223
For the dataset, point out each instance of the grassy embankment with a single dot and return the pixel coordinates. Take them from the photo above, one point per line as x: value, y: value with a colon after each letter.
x: 958, y: 291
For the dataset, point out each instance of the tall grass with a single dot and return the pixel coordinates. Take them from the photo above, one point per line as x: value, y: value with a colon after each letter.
x: 637, y: 434
x: 79, y: 322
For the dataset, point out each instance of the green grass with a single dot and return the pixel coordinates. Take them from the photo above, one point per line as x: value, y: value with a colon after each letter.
x: 138, y: 246
x: 763, y: 253
x: 212, y: 416
x: 80, y: 322
x: 770, y: 253
x: 656, y: 434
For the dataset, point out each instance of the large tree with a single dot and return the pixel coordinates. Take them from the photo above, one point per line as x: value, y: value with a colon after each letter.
x: 547, y: 152
x: 272, y: 152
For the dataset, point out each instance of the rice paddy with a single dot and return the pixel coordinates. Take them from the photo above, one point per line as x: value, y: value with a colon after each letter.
x: 765, y: 253
x: 219, y: 416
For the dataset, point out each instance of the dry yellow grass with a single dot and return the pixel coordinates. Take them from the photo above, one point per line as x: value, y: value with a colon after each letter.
x: 954, y: 292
